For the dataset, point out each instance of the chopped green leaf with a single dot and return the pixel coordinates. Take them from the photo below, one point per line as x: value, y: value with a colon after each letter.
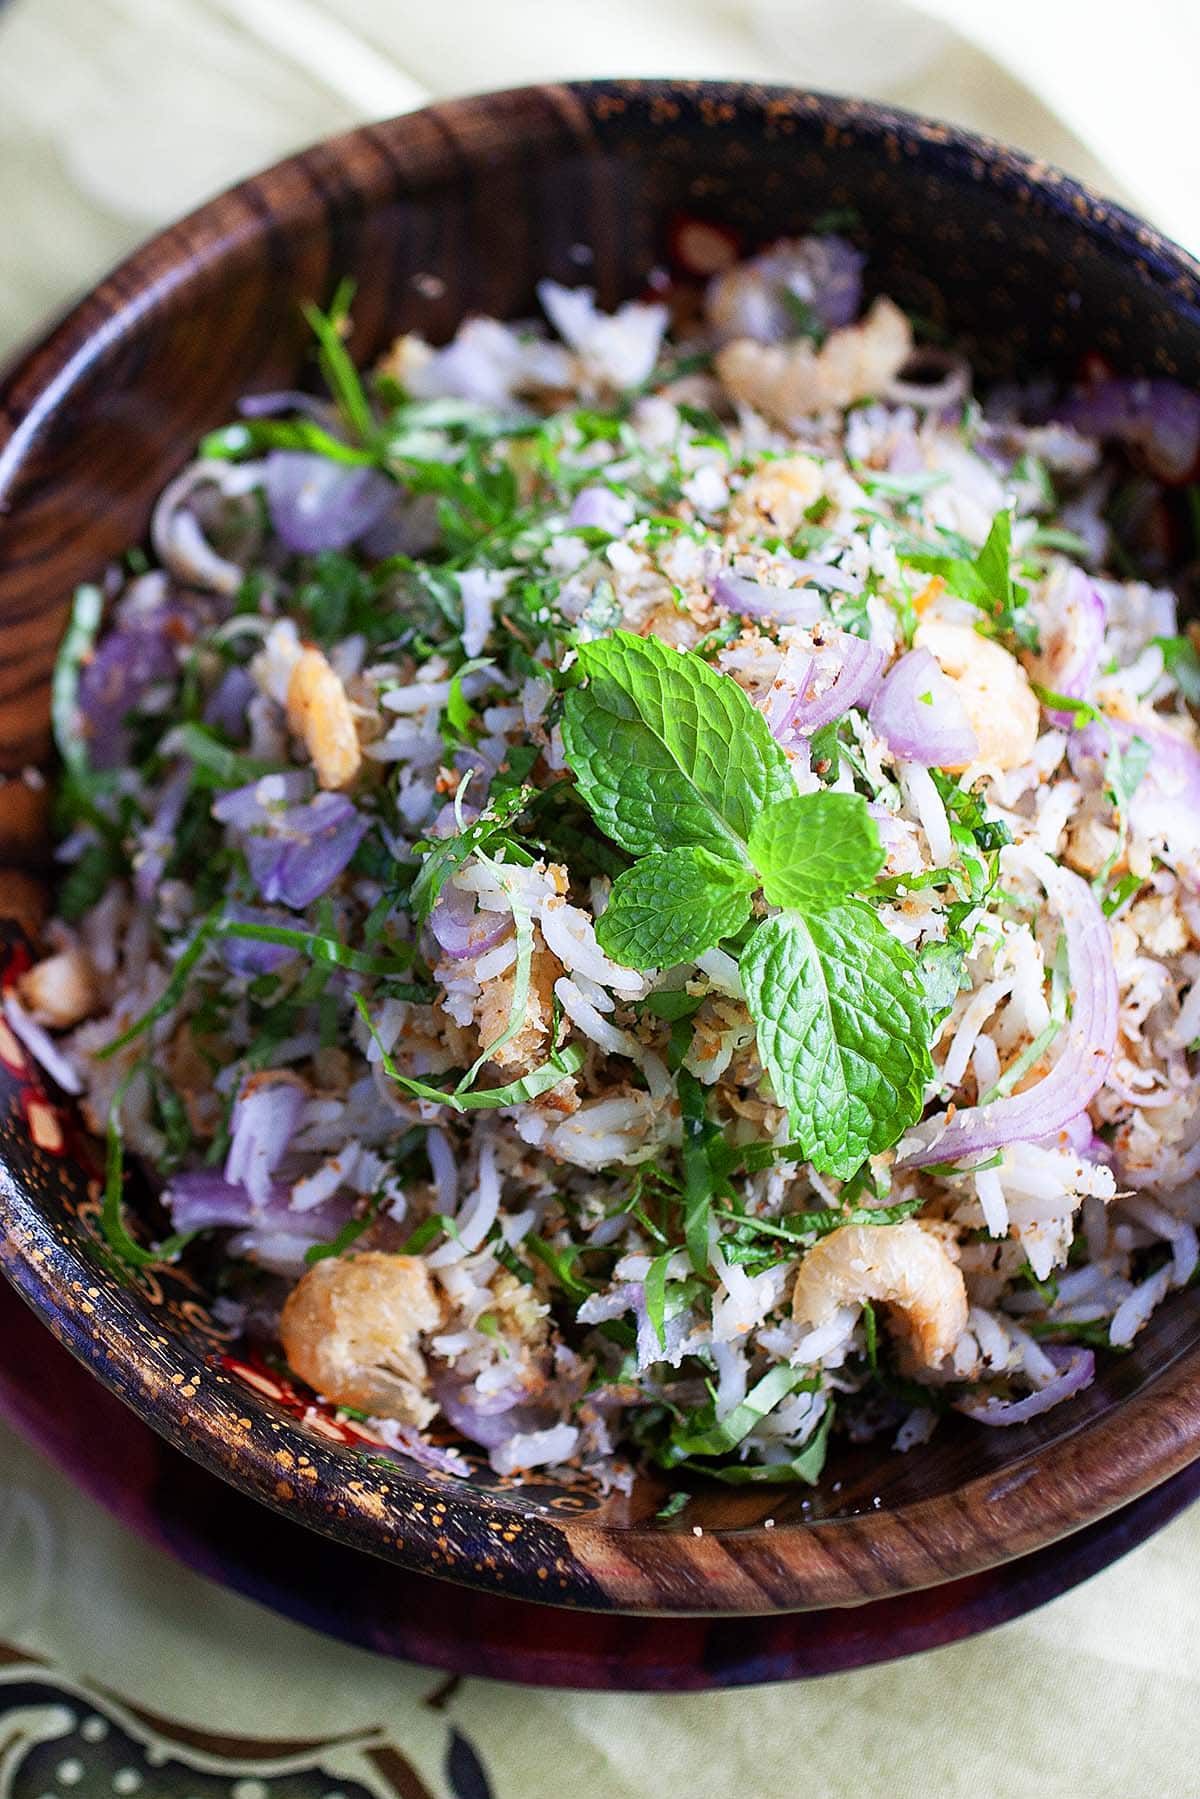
x: 222, y: 766
x: 1082, y: 712
x: 713, y: 1438
x: 447, y: 855
x: 1182, y: 663
x: 986, y: 581
x: 566, y: 1061
x: 656, y: 1295
x: 350, y: 1232
x: 940, y: 966
x: 112, y: 1212
x: 806, y: 1467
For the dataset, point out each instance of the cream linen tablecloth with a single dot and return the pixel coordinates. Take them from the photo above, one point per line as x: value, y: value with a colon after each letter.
x: 116, y: 115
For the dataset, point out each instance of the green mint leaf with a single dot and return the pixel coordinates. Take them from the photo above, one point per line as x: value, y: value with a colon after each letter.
x: 1124, y: 770
x: 706, y: 1163
x: 986, y: 581
x: 816, y: 849
x: 708, y: 1437
x: 656, y: 1295
x: 940, y: 966
x: 671, y: 907
x: 802, y: 1468
x: 843, y: 1030
x: 446, y: 856
x: 1081, y: 712
x: 1182, y: 663
x: 667, y: 752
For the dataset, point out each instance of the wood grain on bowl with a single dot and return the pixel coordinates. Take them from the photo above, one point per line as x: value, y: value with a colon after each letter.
x: 457, y: 209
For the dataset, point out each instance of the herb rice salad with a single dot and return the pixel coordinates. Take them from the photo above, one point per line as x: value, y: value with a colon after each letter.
x: 637, y: 888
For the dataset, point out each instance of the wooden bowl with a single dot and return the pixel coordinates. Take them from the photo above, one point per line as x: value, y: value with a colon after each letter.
x: 460, y: 208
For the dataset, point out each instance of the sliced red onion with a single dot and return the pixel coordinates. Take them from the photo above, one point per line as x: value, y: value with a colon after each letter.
x: 41, y: 1045
x: 824, y: 575
x: 246, y: 956
x: 1079, y: 1372
x: 1088, y: 1038
x: 288, y: 399
x: 758, y: 299
x: 920, y: 716
x: 403, y: 1439
x: 202, y: 1199
x: 600, y: 509
x: 126, y: 663
x: 488, y: 1422
x: 461, y: 929
x: 1166, y: 802
x: 1076, y: 641
x: 757, y: 599
x: 265, y: 1116
x: 157, y: 840
x: 316, y: 504
x: 261, y: 802
x: 306, y: 850
x: 225, y: 708
x: 1158, y: 417
x: 857, y: 677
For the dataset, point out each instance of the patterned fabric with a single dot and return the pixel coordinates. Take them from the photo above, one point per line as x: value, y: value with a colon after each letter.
x: 121, y: 1674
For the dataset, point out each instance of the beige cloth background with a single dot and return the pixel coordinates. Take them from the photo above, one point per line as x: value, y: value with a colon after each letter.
x: 117, y: 114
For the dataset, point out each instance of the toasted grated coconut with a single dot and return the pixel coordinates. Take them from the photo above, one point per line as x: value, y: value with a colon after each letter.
x: 564, y: 1210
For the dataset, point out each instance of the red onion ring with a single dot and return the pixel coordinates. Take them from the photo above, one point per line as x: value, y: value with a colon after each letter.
x: 1158, y: 417
x: 1071, y: 661
x: 316, y: 504
x: 1090, y: 1037
x: 1079, y: 1372
x: 853, y: 685
x: 460, y: 930
x: 920, y: 716
x: 758, y: 599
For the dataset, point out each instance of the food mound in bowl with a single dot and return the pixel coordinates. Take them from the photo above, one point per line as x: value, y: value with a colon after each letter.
x: 638, y: 897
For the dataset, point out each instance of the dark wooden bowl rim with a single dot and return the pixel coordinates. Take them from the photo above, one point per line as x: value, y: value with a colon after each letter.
x: 1056, y: 1488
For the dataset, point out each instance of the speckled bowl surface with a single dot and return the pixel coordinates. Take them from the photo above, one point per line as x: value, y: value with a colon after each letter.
x: 460, y: 208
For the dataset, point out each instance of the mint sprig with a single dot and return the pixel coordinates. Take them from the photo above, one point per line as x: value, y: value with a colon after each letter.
x: 678, y: 766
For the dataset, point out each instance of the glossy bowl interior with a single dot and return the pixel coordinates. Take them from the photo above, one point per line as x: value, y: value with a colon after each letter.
x: 461, y: 208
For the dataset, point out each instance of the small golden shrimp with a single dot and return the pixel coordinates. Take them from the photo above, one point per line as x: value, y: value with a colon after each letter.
x: 351, y: 1329
x: 59, y: 991
x: 993, y: 687
x: 789, y: 382
x: 319, y: 711
x: 898, y: 1265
